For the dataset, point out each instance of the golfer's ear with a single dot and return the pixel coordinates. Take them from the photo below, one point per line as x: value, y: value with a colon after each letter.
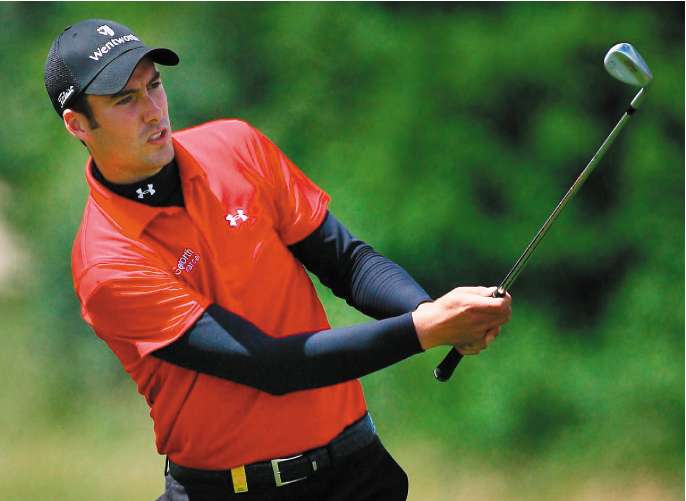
x: 75, y: 123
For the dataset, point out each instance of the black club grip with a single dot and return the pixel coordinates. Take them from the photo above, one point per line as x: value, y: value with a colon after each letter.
x: 446, y: 368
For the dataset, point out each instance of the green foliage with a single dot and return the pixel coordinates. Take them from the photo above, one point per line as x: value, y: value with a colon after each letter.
x: 459, y: 126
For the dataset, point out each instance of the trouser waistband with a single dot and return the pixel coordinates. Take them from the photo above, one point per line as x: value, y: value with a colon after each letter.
x: 282, y: 471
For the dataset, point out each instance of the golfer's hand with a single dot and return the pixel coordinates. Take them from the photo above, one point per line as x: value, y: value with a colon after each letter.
x: 466, y: 317
x: 476, y: 347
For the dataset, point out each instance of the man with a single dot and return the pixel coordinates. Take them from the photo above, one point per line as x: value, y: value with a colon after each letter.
x: 190, y: 264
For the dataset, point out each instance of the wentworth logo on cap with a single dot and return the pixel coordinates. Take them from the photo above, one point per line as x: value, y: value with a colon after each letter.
x: 98, y: 53
x: 105, y: 30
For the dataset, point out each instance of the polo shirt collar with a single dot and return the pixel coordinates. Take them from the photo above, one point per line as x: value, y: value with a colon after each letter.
x: 133, y: 217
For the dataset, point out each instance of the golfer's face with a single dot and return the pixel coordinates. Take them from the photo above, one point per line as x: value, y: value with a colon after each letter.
x: 128, y: 140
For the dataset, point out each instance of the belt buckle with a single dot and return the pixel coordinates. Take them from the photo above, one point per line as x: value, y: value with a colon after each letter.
x: 277, y: 473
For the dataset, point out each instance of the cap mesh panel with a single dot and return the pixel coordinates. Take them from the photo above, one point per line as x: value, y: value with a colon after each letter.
x: 58, y: 78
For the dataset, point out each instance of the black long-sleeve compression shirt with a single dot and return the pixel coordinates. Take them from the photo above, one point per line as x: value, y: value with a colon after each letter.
x: 354, y: 271
x: 225, y: 345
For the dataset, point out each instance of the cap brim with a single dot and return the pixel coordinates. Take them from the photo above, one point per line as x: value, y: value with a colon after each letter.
x: 113, y: 77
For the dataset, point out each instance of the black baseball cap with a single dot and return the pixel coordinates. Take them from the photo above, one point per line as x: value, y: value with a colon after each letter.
x: 95, y: 56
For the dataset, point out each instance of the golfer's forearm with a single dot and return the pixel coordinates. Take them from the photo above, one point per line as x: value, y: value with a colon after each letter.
x: 227, y: 346
x: 354, y: 271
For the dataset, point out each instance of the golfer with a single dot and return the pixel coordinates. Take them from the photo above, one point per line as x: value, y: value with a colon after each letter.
x: 190, y: 263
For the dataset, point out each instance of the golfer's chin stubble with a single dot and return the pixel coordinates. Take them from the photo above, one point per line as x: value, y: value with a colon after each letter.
x: 163, y: 155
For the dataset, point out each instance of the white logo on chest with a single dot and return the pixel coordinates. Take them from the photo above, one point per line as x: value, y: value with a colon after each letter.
x: 150, y: 191
x: 238, y: 218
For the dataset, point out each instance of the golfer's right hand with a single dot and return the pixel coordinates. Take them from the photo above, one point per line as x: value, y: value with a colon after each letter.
x: 465, y: 316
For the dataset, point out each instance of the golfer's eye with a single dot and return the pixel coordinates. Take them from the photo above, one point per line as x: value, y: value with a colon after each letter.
x: 126, y: 100
x: 156, y: 84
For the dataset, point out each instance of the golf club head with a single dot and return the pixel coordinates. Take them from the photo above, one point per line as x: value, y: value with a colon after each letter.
x: 625, y: 64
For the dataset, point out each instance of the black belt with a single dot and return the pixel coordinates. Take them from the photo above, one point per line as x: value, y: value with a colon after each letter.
x: 282, y: 471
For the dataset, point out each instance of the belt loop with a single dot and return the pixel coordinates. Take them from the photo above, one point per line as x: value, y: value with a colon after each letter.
x: 239, y: 479
x: 166, y: 465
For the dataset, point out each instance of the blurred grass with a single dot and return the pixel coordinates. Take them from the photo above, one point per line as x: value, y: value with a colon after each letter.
x: 116, y: 460
x: 106, y: 449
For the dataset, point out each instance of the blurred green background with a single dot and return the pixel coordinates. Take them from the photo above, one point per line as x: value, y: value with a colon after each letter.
x: 445, y: 134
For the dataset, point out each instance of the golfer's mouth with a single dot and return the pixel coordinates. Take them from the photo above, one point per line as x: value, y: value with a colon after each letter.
x: 159, y: 137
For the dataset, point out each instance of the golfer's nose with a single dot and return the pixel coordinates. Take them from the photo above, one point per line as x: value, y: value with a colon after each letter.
x: 152, y: 111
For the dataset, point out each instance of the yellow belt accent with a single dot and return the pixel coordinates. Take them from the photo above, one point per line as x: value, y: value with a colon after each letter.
x: 240, y: 481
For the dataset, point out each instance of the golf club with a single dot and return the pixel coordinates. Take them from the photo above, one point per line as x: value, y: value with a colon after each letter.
x: 624, y: 63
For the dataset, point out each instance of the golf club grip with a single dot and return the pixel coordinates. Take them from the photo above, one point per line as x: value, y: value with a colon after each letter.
x: 445, y: 369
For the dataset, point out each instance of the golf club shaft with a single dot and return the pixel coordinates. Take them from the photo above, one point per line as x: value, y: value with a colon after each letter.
x: 446, y: 368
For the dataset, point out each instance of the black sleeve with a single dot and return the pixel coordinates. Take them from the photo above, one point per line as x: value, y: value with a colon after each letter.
x: 354, y: 271
x: 227, y: 346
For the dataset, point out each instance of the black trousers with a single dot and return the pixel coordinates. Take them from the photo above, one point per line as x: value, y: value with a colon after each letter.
x: 370, y: 474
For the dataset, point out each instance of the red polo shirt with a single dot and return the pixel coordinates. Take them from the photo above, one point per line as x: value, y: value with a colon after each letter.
x: 145, y: 274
